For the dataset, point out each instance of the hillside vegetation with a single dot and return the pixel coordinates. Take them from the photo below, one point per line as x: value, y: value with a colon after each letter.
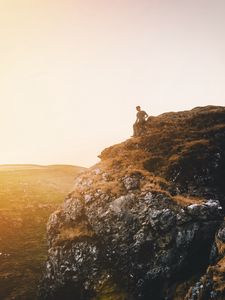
x: 28, y: 194
x: 146, y: 222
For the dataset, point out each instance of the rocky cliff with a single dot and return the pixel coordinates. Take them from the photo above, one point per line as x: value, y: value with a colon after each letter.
x: 147, y: 221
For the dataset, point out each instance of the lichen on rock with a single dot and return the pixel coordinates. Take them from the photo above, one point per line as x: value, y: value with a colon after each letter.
x: 141, y: 223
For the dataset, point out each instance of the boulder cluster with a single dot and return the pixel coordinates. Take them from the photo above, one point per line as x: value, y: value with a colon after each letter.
x: 146, y: 222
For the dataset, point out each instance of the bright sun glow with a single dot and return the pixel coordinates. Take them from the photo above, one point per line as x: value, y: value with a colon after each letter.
x: 73, y: 71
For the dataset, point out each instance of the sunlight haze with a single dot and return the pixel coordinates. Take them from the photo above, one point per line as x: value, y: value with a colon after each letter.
x: 73, y: 71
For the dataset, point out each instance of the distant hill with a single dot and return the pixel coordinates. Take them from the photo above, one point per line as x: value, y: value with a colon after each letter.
x: 8, y: 167
x: 28, y: 195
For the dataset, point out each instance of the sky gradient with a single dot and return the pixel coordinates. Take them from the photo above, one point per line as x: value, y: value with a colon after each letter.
x: 72, y: 72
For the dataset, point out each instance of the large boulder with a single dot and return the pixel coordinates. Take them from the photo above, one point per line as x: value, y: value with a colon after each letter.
x: 142, y: 222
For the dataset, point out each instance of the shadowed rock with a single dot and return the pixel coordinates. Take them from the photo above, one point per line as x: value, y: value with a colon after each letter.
x: 141, y: 223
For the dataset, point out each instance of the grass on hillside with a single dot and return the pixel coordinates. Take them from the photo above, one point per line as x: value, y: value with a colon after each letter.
x: 28, y: 195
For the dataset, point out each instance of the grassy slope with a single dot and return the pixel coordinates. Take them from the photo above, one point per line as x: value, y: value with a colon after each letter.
x: 28, y: 194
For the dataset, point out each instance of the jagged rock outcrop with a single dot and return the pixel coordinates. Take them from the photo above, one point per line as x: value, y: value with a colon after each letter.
x: 211, y: 285
x: 141, y: 224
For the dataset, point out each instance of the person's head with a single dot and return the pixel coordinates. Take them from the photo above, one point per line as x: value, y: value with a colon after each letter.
x: 138, y: 108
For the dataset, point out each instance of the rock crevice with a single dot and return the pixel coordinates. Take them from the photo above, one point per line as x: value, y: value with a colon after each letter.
x: 141, y: 224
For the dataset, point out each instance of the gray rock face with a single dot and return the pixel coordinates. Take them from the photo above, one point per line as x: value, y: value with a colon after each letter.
x: 211, y: 284
x: 141, y: 224
x: 221, y: 233
x: 136, y: 237
x: 207, y: 287
x: 132, y: 182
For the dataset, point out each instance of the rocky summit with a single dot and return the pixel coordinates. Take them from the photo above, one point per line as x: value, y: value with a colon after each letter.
x: 146, y: 222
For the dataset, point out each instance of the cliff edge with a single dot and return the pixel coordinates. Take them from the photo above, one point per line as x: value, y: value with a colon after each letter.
x: 147, y: 221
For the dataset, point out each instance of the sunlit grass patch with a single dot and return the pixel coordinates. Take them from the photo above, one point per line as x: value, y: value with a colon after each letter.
x: 28, y: 195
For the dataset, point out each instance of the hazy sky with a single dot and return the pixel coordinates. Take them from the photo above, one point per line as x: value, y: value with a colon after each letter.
x: 72, y: 71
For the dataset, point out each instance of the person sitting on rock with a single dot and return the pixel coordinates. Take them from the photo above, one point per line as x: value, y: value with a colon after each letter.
x: 139, y: 124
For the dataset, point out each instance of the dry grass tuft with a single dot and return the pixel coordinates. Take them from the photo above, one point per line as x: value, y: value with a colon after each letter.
x: 220, y: 246
x: 196, y: 143
x: 73, y: 233
x: 185, y: 201
x: 217, y: 272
